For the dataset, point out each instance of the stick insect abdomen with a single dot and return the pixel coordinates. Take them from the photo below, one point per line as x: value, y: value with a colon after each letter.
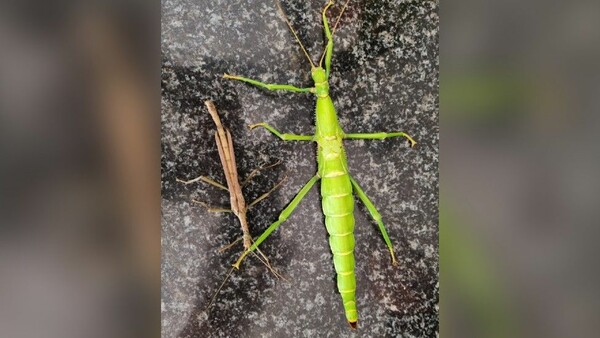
x: 338, y: 207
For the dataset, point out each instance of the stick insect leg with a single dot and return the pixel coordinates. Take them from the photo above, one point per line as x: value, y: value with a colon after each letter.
x: 376, y: 216
x: 258, y: 170
x: 261, y: 256
x: 269, y: 86
x: 205, y: 180
x: 329, y: 48
x: 328, y: 52
x: 229, y: 246
x: 211, y: 182
x: 283, y: 136
x: 265, y: 195
x: 282, y: 217
x: 211, y: 209
x: 381, y: 136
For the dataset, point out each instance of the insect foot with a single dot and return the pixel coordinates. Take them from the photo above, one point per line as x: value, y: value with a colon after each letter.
x: 394, y: 261
x: 236, y: 265
x: 252, y: 126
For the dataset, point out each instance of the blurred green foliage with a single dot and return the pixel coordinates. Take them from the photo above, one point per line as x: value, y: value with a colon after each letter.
x: 480, y: 96
x: 471, y: 284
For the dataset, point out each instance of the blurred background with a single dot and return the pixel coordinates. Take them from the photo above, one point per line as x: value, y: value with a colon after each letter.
x: 519, y: 89
x: 79, y: 169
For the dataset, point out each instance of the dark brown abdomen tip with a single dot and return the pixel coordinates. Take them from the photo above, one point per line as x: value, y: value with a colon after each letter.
x: 353, y: 325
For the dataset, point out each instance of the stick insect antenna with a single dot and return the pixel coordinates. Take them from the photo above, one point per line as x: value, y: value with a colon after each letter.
x: 294, y: 32
x: 337, y: 21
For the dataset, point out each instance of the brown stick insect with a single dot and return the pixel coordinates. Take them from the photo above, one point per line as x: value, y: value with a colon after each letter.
x: 234, y: 187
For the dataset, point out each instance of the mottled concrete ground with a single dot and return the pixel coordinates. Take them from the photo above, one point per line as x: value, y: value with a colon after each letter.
x: 384, y: 78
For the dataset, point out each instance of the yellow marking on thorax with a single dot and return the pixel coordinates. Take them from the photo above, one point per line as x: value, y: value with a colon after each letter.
x: 334, y: 174
x: 331, y: 156
x: 341, y: 235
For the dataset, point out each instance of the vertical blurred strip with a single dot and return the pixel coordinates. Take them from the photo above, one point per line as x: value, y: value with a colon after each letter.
x: 79, y: 169
x: 519, y: 103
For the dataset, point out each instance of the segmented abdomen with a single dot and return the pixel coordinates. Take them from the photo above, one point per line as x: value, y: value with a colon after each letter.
x: 338, y: 207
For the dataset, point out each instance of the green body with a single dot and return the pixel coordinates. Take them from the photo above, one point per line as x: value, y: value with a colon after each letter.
x: 337, y: 198
x: 337, y: 185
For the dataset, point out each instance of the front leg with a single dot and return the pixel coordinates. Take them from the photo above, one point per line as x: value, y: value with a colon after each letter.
x: 283, y: 136
x: 381, y: 136
x: 270, y: 86
x: 327, y: 54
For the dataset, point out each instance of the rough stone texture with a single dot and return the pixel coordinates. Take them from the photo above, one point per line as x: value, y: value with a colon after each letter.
x: 384, y: 78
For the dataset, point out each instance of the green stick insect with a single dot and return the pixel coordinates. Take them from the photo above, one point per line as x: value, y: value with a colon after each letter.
x: 336, y: 183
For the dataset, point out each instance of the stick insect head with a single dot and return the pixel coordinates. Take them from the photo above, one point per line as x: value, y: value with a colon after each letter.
x: 319, y: 75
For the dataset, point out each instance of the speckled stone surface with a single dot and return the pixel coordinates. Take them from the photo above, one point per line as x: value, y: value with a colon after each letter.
x: 384, y: 78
